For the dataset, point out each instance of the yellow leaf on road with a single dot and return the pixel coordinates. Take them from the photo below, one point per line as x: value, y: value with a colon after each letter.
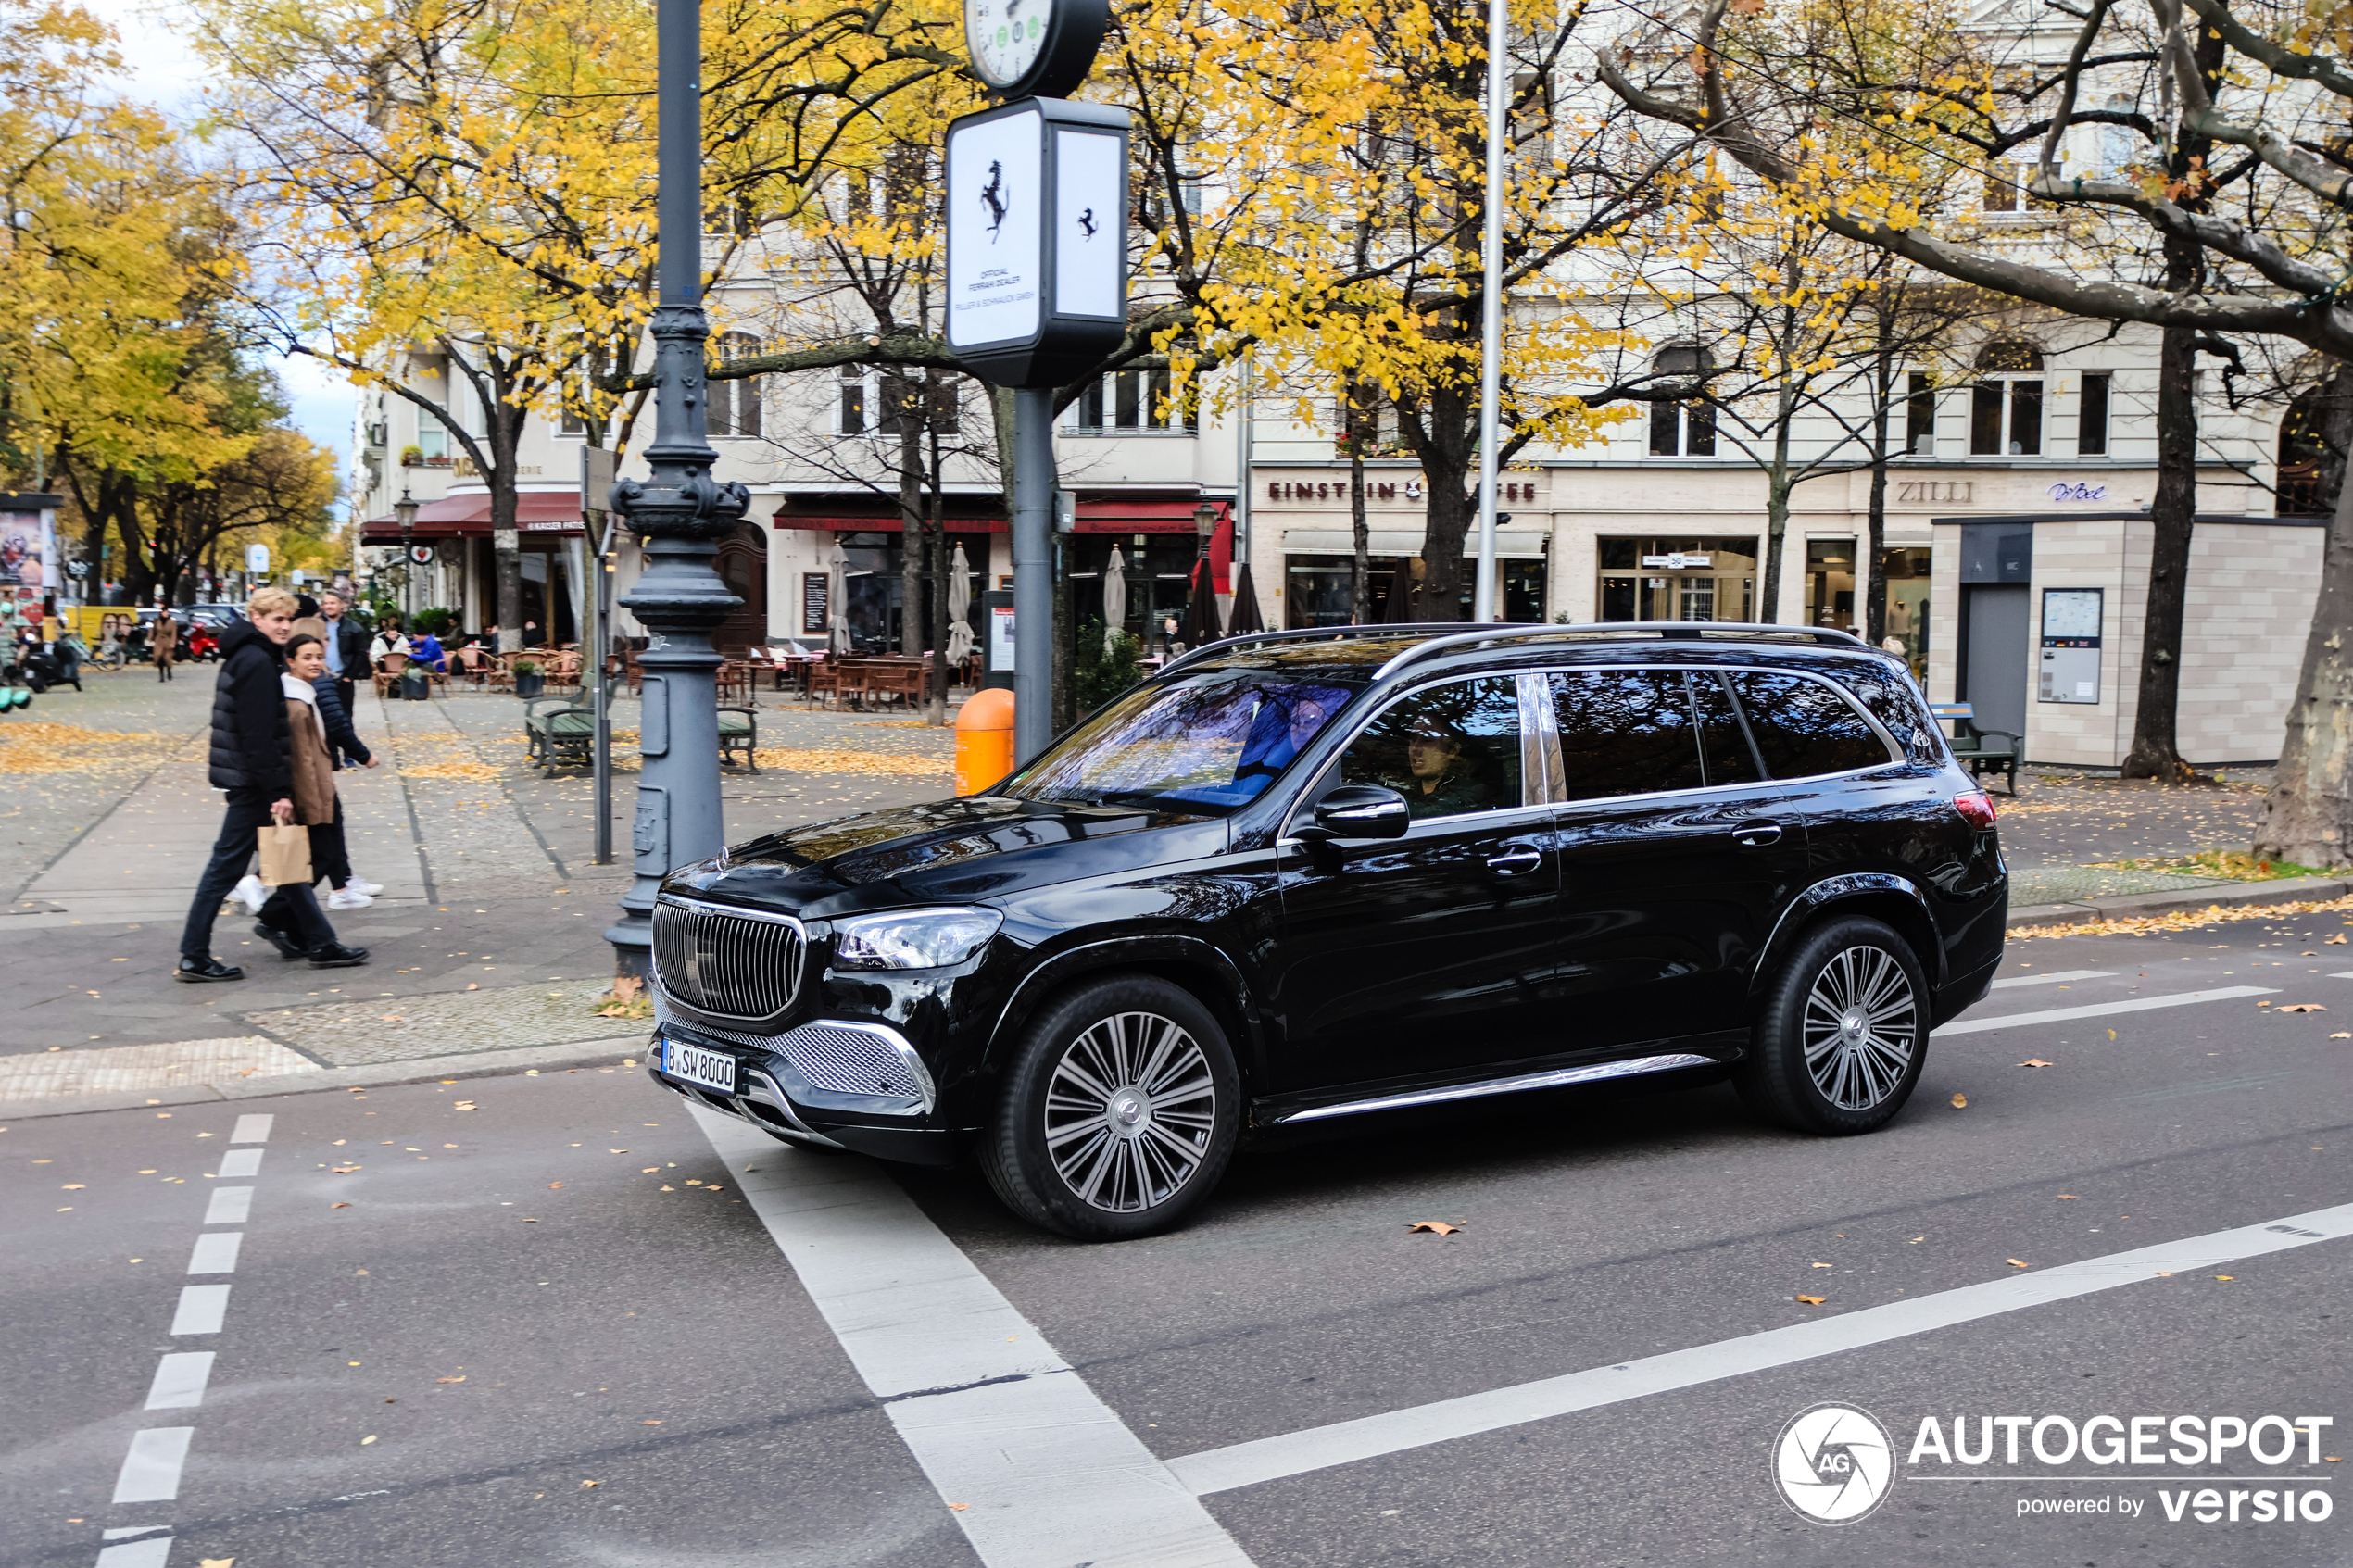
x: 467, y: 1105
x: 449, y: 1379
x: 2014, y: 1263
x: 2226, y: 1277
x: 1961, y: 1102
x: 2304, y: 1007
x: 2035, y: 1061
x: 1813, y: 1300
x: 1438, y: 1227
x: 365, y: 1441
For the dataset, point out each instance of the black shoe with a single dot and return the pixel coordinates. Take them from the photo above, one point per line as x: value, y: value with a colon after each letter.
x: 287, y: 947
x: 199, y: 972
x: 332, y: 955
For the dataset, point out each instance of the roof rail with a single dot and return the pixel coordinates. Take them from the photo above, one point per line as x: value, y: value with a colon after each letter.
x: 1686, y: 631
x: 1309, y: 634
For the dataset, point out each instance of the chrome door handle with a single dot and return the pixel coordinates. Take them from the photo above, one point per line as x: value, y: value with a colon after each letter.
x: 1756, y: 835
x: 1512, y: 863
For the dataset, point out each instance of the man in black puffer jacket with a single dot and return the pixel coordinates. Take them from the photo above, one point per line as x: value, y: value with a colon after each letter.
x: 253, y: 761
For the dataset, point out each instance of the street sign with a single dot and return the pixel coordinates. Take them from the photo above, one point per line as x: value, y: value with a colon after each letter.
x: 420, y: 554
x: 256, y: 557
x: 1036, y: 240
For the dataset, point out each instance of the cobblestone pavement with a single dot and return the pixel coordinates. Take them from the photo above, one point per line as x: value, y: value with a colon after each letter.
x: 486, y: 865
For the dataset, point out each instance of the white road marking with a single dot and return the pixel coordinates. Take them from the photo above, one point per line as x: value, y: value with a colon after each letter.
x: 125, y: 1532
x: 1048, y: 1475
x: 180, y: 1380
x: 2057, y: 975
x: 239, y: 1162
x: 252, y: 1128
x: 151, y: 1470
x: 1346, y: 1442
x: 230, y: 1206
x: 153, y: 1552
x: 202, y: 1307
x: 2101, y: 1010
x: 2343, y: 975
x: 216, y: 1253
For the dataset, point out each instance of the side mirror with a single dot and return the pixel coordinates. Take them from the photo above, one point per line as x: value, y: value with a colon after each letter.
x: 1358, y: 811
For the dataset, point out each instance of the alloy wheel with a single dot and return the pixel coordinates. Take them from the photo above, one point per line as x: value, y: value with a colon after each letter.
x: 1129, y: 1112
x: 1860, y: 1024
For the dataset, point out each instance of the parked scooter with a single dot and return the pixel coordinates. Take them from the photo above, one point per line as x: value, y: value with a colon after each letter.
x: 203, y: 644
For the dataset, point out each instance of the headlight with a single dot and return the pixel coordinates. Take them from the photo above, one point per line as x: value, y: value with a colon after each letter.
x: 916, y: 939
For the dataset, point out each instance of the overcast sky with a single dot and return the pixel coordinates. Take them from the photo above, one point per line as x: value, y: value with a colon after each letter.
x: 165, y: 72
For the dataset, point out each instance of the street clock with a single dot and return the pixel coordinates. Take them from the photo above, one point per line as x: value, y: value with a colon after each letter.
x: 1042, y: 49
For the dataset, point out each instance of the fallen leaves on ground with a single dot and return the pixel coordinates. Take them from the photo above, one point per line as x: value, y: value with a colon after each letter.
x: 33, y: 746
x: 346, y: 1170
x: 2226, y: 1278
x: 338, y: 1205
x: 467, y: 1105
x: 592, y: 1483
x: 477, y: 771
x: 2187, y: 919
x: 2342, y: 1034
x: 459, y: 1379
x: 2304, y: 1007
x: 2066, y: 1197
x: 365, y: 1441
x: 2014, y: 1263
x: 1436, y: 1227
x: 1961, y: 1102
x: 792, y: 759
x: 1813, y: 1300
x: 2035, y: 1061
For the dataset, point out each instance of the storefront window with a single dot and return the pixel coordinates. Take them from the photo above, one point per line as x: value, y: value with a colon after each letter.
x: 1906, y: 575
x: 1320, y: 589
x: 1830, y: 583
x: 1676, y: 579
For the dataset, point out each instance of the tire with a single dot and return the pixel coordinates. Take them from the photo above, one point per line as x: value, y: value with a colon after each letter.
x: 1119, y: 1112
x: 1819, y: 1062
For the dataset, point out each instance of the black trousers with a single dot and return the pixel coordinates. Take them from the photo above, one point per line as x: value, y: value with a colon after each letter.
x: 292, y: 909
x: 343, y: 690
x: 330, y: 857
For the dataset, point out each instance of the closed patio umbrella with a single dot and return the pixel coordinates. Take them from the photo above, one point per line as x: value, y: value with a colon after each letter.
x: 1114, y: 598
x: 1201, y: 620
x: 960, y: 604
x: 836, y: 592
x: 1244, y: 618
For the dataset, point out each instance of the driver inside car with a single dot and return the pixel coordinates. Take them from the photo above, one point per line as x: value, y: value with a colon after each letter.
x: 1442, y: 776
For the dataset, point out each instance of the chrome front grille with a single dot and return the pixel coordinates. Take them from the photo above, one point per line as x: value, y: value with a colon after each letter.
x: 868, y: 1061
x: 729, y: 963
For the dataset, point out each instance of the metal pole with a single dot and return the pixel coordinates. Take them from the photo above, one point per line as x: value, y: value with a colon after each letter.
x: 1249, y: 420
x: 600, y: 755
x: 680, y: 512
x: 1490, y: 327
x: 1033, y: 571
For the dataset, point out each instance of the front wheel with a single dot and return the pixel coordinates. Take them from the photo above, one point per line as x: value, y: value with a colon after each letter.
x: 1119, y: 1112
x: 1843, y: 1034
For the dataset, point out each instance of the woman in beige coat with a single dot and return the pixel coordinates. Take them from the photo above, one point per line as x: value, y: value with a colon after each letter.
x: 165, y: 640
x: 314, y: 800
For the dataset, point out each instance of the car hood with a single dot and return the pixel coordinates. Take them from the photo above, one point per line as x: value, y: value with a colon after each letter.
x: 974, y: 847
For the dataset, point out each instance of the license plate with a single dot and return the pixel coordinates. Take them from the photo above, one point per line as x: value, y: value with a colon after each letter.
x: 713, y: 1069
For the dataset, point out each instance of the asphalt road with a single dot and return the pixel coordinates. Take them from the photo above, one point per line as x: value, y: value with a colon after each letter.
x: 541, y: 1319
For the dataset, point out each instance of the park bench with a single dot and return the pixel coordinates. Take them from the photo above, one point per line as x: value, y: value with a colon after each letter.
x: 556, y: 736
x: 1981, y: 751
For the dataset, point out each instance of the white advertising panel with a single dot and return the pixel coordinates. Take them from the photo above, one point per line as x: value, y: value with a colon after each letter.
x: 995, y: 225
x: 1091, y: 194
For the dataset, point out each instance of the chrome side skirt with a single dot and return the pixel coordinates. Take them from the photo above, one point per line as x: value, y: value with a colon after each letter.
x: 1557, y: 1078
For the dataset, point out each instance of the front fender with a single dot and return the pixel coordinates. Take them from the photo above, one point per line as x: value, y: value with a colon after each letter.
x: 1142, y: 951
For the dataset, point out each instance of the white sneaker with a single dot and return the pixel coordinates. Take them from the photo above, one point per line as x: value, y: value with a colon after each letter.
x: 362, y: 886
x: 251, y: 894
x: 348, y: 897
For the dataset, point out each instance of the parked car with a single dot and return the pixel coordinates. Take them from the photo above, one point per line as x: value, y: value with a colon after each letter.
x: 1313, y: 875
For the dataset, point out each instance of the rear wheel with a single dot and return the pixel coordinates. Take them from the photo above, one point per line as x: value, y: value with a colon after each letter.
x: 1843, y: 1034
x: 1119, y: 1114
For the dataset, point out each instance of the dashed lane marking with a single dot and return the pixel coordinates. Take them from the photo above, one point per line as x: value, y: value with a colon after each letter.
x: 239, y: 1162
x: 2103, y: 1010
x: 151, y: 1470
x: 253, y: 1127
x: 201, y: 1308
x: 230, y: 1206
x: 216, y: 1253
x: 180, y: 1380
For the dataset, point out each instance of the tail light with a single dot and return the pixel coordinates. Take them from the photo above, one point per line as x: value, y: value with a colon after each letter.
x: 1976, y: 808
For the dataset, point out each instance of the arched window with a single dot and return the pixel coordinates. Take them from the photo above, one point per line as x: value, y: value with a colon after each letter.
x: 1687, y: 428
x: 2006, y: 406
x: 735, y: 405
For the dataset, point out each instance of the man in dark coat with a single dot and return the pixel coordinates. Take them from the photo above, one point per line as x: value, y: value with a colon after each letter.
x: 252, y: 762
x: 347, y: 644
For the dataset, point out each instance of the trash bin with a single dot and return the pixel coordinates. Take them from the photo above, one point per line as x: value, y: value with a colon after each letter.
x: 983, y: 740
x: 416, y: 684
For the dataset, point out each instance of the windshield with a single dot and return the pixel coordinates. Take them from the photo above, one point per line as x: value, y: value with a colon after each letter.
x: 1216, y: 740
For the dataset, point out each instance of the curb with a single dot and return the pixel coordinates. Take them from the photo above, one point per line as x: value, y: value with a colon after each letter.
x: 423, y: 1069
x: 2290, y: 890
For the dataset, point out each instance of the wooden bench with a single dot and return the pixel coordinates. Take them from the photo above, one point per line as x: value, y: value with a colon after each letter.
x: 559, y: 735
x: 1981, y: 751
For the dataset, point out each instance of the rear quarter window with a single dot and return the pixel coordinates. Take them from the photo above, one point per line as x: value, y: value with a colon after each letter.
x: 1891, y: 699
x: 1804, y: 728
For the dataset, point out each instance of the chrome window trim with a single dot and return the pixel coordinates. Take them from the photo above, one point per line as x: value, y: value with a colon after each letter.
x: 1896, y: 755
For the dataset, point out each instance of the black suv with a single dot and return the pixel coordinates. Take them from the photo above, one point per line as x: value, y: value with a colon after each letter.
x: 1308, y: 875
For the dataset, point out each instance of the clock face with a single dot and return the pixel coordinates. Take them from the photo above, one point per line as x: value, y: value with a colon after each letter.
x: 1006, y: 37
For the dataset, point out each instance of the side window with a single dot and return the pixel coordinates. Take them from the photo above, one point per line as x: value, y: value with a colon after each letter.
x: 1890, y: 700
x: 1625, y: 732
x: 1722, y: 743
x: 1804, y: 728
x: 1448, y: 749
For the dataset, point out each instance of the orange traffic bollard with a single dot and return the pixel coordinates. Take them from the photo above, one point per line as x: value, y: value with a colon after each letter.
x: 983, y: 740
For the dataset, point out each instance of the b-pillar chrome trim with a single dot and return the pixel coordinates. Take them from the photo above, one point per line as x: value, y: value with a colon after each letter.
x: 1558, y: 1078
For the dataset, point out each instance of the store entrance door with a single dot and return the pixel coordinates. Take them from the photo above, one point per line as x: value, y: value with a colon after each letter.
x: 1995, y: 654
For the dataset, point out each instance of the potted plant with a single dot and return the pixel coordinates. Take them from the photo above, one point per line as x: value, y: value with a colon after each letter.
x: 412, y: 455
x: 528, y: 680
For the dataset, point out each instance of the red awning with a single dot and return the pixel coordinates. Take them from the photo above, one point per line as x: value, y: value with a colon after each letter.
x: 537, y: 511
x: 1121, y: 516
x: 888, y: 524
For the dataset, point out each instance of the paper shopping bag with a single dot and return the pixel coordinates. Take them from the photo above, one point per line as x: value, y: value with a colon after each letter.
x: 285, y: 854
